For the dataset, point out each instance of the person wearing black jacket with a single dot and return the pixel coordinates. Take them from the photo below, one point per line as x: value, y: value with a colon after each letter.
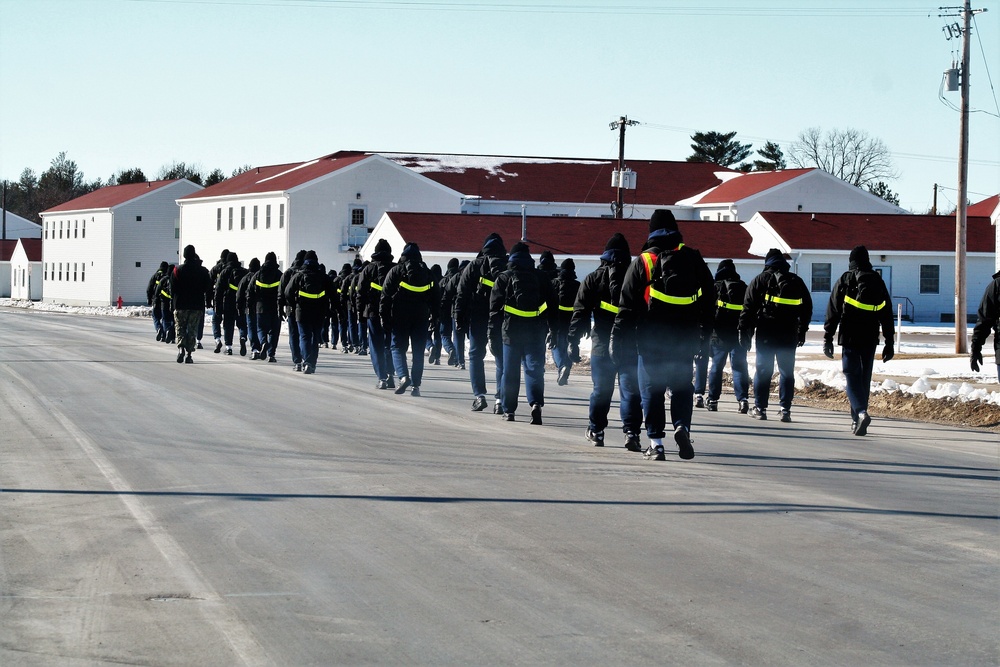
x: 777, y: 308
x: 410, y: 299
x: 369, y: 296
x: 163, y: 299
x: 343, y: 304
x: 226, y: 288
x: 446, y: 321
x: 725, y: 342
x: 987, y: 319
x: 597, y: 301
x: 263, y: 295
x: 286, y: 310
x: 563, y: 354
x: 154, y: 281
x: 306, y: 293
x: 665, y: 311
x: 217, y: 313
x: 246, y: 313
x: 331, y: 328
x: 191, y: 289
x: 472, y: 316
x: 435, y: 341
x: 522, y: 304
x: 859, y: 306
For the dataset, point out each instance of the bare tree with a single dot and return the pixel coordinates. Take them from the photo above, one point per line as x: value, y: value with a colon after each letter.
x: 852, y: 155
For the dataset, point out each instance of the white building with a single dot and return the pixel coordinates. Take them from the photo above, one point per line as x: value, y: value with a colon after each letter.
x: 106, y: 244
x: 914, y: 253
x: 26, y: 269
x: 989, y: 207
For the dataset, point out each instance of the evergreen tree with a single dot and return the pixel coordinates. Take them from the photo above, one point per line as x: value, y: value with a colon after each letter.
x: 718, y: 148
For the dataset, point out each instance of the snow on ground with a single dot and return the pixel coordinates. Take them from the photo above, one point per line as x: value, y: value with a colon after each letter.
x: 936, y: 370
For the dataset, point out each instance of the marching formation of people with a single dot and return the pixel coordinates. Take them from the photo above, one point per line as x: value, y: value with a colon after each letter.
x: 661, y: 324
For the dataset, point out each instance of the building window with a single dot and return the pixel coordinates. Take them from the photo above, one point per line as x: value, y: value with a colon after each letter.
x: 230, y: 218
x: 45, y: 271
x: 60, y: 270
x: 83, y: 271
x: 267, y: 217
x: 281, y: 216
x: 821, y: 277
x: 74, y: 271
x: 255, y: 217
x: 930, y: 279
x: 138, y: 218
x: 60, y: 228
x: 358, y: 216
x: 76, y: 228
x: 46, y: 229
x: 83, y: 229
x: 218, y: 219
x: 243, y: 217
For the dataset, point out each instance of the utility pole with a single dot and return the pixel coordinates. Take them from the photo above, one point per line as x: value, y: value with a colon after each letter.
x: 934, y: 206
x: 620, y: 125
x: 961, y: 213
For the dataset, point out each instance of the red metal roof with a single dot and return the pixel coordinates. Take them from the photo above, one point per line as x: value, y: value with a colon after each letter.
x: 32, y: 248
x: 747, y: 185
x: 279, y: 177
x: 506, y: 178
x: 457, y: 233
x: 985, y: 207
x: 110, y: 196
x: 890, y: 232
x: 7, y: 249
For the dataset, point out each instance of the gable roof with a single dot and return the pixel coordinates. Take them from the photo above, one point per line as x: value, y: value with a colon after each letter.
x: 587, y: 181
x: 890, y: 232
x: 111, y: 196
x: 7, y: 249
x: 747, y: 185
x: 32, y: 249
x: 279, y: 177
x: 458, y: 233
x: 987, y: 207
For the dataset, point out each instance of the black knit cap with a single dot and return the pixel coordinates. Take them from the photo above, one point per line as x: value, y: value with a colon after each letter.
x: 662, y: 219
x: 773, y: 253
x: 232, y: 258
x: 519, y: 247
x: 383, y: 246
x: 453, y: 263
x: 411, y: 250
x: 254, y: 264
x: 568, y: 263
x: 164, y: 266
x: 311, y: 256
x: 271, y: 257
x: 618, y: 242
x: 189, y: 252
x: 860, y: 255
x: 546, y: 260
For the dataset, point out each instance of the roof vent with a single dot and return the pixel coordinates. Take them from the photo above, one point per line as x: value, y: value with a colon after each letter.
x: 812, y: 216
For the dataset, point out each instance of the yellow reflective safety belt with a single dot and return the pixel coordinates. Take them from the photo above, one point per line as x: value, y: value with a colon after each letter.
x: 610, y: 307
x: 166, y: 295
x: 486, y: 281
x: 312, y: 296
x: 266, y: 285
x: 863, y: 306
x: 376, y: 286
x: 781, y: 301
x: 525, y: 313
x: 233, y: 287
x: 729, y: 306
x: 415, y: 288
x: 677, y: 300
x: 566, y: 308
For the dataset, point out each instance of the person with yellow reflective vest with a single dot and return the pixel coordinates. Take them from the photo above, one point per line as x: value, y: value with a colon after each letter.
x: 306, y: 292
x: 724, y: 345
x: 522, y: 305
x: 776, y: 311
x: 225, y: 301
x: 665, y: 311
x: 163, y: 298
x: 564, y: 354
x: 597, y: 301
x: 369, y: 297
x: 472, y: 316
x: 410, y: 299
x: 246, y: 312
x: 286, y: 310
x: 860, y: 306
x: 263, y: 295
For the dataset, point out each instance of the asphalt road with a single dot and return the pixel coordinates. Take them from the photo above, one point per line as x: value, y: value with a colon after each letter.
x: 235, y: 512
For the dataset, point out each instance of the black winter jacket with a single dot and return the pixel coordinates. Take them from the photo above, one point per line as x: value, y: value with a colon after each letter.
x: 264, y: 288
x: 409, y: 294
x: 191, y: 285
x: 792, y: 322
x: 227, y: 286
x: 858, y: 327
x: 369, y: 285
x: 472, y: 300
x: 519, y: 321
x: 988, y: 317
x: 597, y: 299
x: 566, y: 287
x: 306, y: 293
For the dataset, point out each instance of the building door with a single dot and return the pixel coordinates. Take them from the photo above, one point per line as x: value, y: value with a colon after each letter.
x: 886, y: 273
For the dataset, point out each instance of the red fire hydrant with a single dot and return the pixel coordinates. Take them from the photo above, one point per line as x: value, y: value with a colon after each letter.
x: 119, y: 302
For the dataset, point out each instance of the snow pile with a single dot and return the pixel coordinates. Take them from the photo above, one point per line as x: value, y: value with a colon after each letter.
x: 104, y: 311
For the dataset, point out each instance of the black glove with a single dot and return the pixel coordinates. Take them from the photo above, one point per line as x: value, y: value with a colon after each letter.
x: 976, y: 357
x: 802, y: 339
x: 828, y: 349
x: 746, y: 340
x: 496, y: 347
x: 574, y: 351
x: 887, y: 352
x: 462, y: 326
x: 281, y: 313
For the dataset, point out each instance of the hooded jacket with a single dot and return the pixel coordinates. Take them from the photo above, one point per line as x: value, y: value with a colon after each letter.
x: 857, y: 324
x: 449, y: 289
x: 154, y: 280
x: 243, y: 289
x: 409, y: 294
x: 371, y: 279
x: 306, y: 293
x: 566, y: 287
x: 988, y: 318
x: 472, y: 300
x: 228, y: 284
x: 191, y: 283
x: 286, y: 309
x: 522, y: 302
x: 759, y: 307
x: 265, y: 286
x: 730, y: 293
x: 598, y: 296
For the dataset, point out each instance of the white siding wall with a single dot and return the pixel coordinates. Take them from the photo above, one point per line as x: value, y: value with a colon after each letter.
x: 200, y: 228
x: 5, y: 279
x: 86, y: 242
x: 26, y: 277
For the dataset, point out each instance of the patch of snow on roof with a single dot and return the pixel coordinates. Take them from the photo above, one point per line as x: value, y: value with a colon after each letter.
x: 459, y: 164
x: 288, y: 171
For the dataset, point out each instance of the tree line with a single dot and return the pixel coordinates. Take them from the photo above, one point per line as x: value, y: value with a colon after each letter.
x: 63, y: 180
x: 851, y: 155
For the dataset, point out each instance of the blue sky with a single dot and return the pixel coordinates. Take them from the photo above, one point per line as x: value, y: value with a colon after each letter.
x: 222, y: 83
